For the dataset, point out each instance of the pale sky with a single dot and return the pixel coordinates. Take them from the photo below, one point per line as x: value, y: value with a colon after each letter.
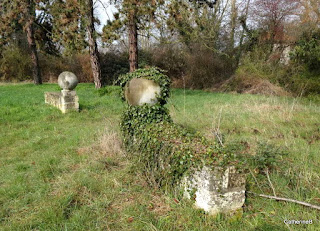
x: 103, y: 11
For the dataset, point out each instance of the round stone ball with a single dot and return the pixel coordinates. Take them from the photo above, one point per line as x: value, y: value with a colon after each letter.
x: 67, y: 80
x: 140, y: 91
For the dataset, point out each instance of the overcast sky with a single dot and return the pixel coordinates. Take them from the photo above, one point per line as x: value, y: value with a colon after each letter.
x: 103, y: 11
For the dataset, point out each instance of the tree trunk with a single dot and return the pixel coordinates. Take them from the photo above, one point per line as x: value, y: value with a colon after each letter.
x: 31, y: 42
x: 245, y: 29
x: 93, y: 49
x: 133, y: 40
x: 233, y: 24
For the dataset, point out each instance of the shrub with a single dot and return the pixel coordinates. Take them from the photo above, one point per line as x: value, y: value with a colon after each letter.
x: 171, y: 59
x: 264, y: 74
x: 257, y: 75
x: 81, y: 64
x: 145, y: 58
x: 304, y: 83
x: 113, y: 65
x: 307, y: 51
x: 205, y: 68
x: 197, y: 67
x: 15, y: 64
x: 51, y: 66
x: 267, y: 156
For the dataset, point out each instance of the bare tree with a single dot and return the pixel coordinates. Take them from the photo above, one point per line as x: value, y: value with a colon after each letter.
x: 273, y: 14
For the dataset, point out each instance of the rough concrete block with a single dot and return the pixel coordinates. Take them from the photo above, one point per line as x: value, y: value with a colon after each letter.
x: 65, y: 100
x: 221, y: 190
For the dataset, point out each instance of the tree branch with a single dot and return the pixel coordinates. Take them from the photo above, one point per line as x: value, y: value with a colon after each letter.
x: 209, y: 3
x: 287, y: 199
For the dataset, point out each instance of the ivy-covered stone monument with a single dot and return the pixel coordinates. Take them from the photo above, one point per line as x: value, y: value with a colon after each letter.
x: 175, y: 157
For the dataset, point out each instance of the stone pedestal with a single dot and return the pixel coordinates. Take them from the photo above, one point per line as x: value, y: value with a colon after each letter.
x: 216, y: 191
x: 52, y: 98
x: 65, y: 100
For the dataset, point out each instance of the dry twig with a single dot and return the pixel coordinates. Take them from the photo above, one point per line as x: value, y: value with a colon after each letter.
x: 287, y: 199
x: 271, y: 185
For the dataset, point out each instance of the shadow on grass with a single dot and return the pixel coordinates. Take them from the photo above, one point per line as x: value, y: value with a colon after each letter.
x: 91, y: 106
x: 268, y: 227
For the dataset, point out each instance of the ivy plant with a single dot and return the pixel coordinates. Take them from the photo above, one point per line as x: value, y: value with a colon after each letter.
x: 165, y: 150
x: 152, y: 73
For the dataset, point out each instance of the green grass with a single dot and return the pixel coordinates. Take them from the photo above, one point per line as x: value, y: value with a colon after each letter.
x: 68, y: 172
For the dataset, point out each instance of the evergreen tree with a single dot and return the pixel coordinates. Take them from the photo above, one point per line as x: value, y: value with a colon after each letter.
x: 13, y: 14
x: 133, y: 15
x: 136, y: 15
x: 73, y: 22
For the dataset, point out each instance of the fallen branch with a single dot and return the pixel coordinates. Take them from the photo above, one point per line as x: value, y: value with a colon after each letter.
x: 287, y: 199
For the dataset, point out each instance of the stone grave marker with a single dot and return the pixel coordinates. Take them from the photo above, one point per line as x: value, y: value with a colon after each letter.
x: 139, y: 91
x: 214, y: 189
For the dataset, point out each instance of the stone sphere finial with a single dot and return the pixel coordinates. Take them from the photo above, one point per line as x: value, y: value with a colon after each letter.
x: 67, y: 80
x: 140, y: 91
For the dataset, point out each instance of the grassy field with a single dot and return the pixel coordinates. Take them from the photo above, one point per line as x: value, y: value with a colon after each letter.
x: 69, y: 172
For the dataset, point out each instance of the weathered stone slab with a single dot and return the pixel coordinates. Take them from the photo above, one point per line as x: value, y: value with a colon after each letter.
x: 52, y: 98
x: 141, y: 91
x: 65, y: 100
x: 216, y: 191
